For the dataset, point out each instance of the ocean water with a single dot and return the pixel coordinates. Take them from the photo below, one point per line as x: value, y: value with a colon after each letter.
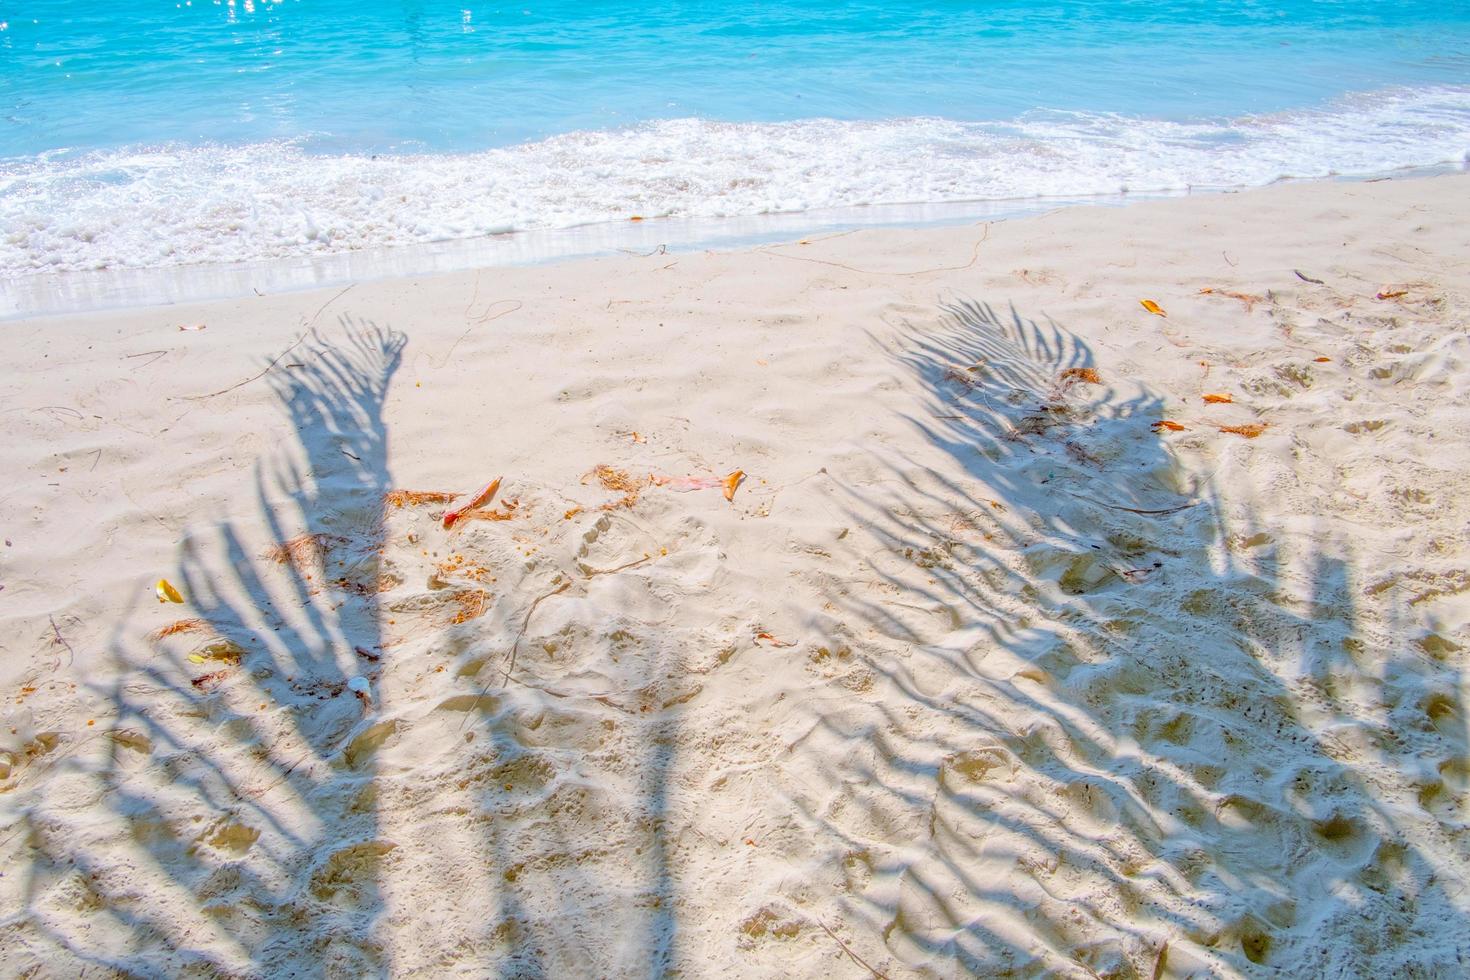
x: 157, y: 134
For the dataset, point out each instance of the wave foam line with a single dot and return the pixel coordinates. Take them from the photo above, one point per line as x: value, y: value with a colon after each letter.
x: 156, y: 207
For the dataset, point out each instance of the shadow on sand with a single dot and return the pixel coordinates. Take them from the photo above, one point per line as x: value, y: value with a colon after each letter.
x: 1089, y: 725
x: 1088, y: 740
x: 232, y: 810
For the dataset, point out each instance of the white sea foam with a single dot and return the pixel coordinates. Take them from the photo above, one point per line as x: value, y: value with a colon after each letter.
x: 154, y: 207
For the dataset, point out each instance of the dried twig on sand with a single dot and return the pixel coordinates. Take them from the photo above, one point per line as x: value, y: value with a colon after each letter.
x: 275, y: 360
x: 1133, y: 510
x: 71, y: 654
x: 525, y: 624
x: 848, y: 950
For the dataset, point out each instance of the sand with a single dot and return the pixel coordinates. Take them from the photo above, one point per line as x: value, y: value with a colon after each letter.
x: 979, y: 671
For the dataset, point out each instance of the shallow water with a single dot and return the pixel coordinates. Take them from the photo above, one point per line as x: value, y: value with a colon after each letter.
x: 146, y: 136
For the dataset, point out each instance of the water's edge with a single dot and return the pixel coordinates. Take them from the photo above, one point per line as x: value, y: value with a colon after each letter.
x: 69, y: 293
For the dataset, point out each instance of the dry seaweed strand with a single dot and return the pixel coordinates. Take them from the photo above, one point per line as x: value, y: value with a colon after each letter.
x: 303, y: 550
x: 457, y: 565
x: 1086, y: 375
x: 417, y: 498
x: 472, y: 603
x: 618, y: 481
x: 509, y: 513
x: 1249, y: 299
x: 192, y: 625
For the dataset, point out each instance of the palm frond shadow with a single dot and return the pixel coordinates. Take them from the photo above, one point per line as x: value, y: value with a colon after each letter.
x: 234, y: 810
x: 1089, y: 740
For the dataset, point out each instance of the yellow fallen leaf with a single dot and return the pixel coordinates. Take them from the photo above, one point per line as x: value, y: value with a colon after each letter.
x: 1153, y: 307
x: 166, y: 592
x: 194, y: 658
x: 731, y: 482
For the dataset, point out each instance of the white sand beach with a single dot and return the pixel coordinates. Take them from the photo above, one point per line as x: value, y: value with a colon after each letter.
x: 1011, y: 653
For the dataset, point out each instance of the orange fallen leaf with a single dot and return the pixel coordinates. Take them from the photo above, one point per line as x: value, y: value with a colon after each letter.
x: 571, y: 513
x: 1088, y: 375
x: 1322, y: 360
x: 637, y: 438
x: 1250, y: 431
x: 731, y: 482
x: 773, y: 641
x: 1153, y: 307
x: 1390, y: 293
x: 486, y: 494
x: 1218, y: 399
x: 635, y: 217
x: 1164, y: 425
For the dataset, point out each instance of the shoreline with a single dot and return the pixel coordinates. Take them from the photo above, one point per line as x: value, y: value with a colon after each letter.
x: 916, y: 601
x: 60, y: 294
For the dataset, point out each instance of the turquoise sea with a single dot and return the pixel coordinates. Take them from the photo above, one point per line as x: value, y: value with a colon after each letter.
x: 156, y: 134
